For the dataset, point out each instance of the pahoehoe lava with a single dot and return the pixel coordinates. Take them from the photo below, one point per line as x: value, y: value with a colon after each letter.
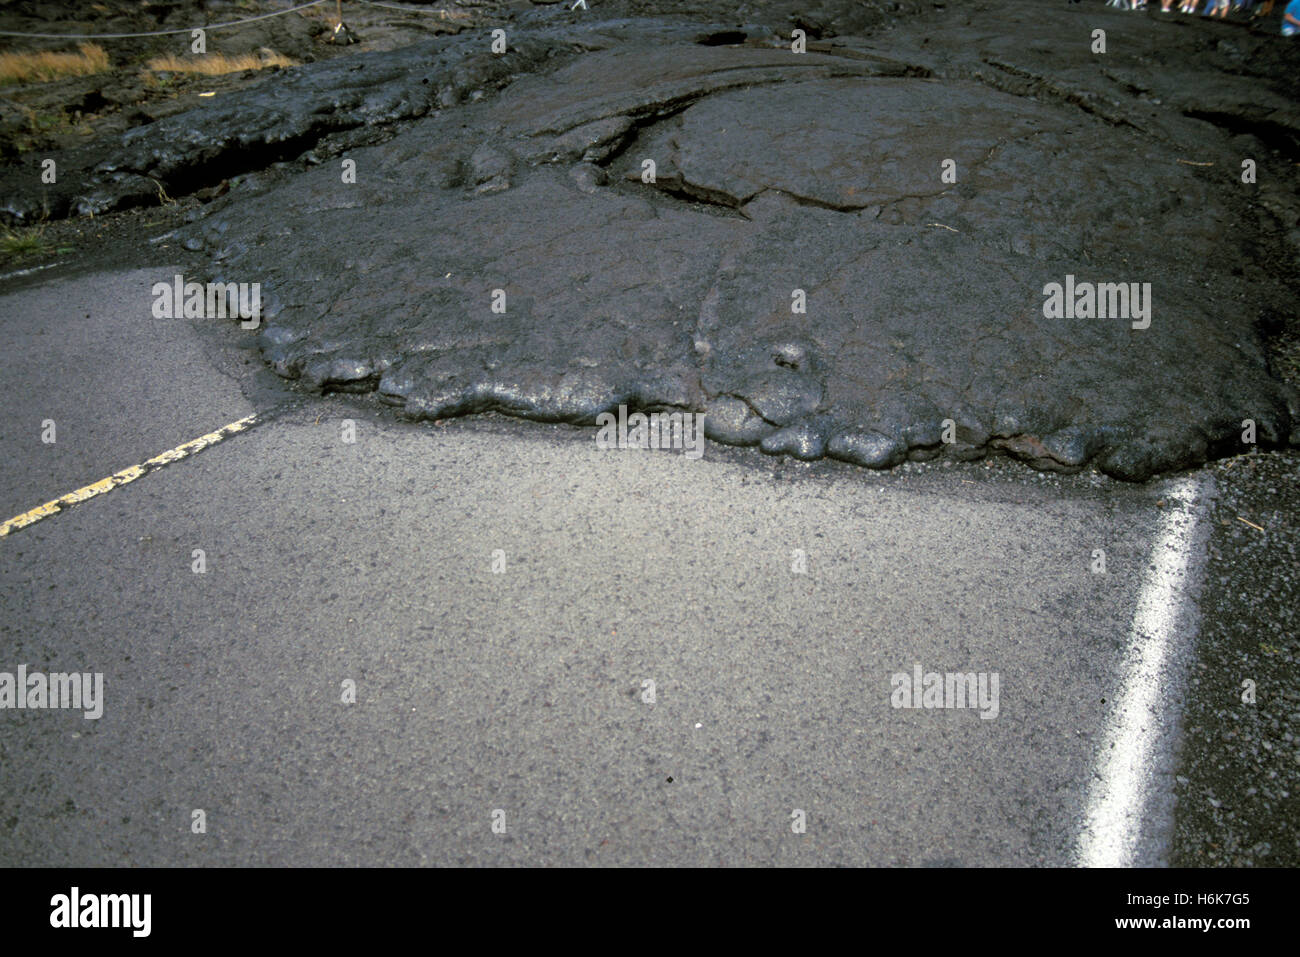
x: 779, y: 178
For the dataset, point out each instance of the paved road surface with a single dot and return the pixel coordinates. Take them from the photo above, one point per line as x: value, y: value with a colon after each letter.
x: 524, y: 691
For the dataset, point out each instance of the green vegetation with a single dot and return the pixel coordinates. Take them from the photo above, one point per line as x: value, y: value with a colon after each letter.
x: 23, y: 243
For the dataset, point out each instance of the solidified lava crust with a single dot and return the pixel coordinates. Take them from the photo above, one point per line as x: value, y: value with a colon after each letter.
x: 799, y: 268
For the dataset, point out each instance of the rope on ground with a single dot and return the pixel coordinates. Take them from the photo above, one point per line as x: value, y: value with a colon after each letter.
x: 440, y: 12
x: 159, y: 33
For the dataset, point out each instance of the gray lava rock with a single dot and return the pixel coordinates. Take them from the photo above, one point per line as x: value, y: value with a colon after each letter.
x: 848, y: 252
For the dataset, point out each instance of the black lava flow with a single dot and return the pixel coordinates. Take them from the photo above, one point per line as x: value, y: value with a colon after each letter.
x: 848, y: 251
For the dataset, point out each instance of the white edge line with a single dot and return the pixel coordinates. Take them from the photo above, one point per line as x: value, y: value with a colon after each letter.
x: 1140, y: 727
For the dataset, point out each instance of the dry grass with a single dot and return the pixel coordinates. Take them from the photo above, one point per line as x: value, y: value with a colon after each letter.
x: 49, y: 65
x: 26, y: 242
x: 217, y: 64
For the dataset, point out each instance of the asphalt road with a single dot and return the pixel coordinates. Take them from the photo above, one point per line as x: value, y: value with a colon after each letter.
x: 520, y: 696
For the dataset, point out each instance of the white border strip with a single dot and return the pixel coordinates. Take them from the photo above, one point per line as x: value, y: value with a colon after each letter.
x: 1123, y: 801
x: 28, y: 272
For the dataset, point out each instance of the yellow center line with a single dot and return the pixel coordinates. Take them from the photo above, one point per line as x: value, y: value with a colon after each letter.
x: 127, y: 475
